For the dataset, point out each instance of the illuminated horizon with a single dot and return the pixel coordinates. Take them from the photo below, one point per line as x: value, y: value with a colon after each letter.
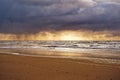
x: 62, y: 35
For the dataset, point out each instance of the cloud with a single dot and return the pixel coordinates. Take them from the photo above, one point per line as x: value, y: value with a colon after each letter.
x: 32, y: 16
x: 113, y: 1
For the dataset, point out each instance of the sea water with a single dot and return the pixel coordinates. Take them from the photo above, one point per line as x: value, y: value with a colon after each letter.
x: 97, y: 51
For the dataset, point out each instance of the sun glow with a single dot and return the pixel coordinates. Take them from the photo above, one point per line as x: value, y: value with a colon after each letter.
x: 70, y: 36
x: 61, y: 35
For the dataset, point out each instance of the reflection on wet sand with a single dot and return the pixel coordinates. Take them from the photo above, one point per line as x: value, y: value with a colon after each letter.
x: 104, y: 56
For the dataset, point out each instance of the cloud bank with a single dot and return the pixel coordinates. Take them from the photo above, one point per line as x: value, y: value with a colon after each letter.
x: 34, y: 16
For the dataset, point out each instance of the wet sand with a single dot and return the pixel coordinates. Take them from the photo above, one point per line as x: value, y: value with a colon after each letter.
x: 14, y: 67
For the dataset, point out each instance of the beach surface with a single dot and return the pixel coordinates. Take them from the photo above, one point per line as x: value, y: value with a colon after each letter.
x: 17, y: 67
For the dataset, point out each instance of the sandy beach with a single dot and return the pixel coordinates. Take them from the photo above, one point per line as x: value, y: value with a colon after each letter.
x: 14, y: 67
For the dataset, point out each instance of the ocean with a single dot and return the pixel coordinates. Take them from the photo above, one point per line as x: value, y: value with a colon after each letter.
x: 96, y: 51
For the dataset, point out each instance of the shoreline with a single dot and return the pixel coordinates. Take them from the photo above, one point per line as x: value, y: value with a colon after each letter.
x: 14, y: 67
x: 50, y: 54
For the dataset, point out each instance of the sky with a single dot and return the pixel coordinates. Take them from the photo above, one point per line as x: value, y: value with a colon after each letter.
x: 59, y: 19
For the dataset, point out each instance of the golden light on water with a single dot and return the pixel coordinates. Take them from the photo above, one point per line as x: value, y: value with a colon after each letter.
x: 61, y: 35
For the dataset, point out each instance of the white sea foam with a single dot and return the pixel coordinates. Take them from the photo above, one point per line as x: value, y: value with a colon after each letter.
x: 16, y: 53
x: 100, y: 51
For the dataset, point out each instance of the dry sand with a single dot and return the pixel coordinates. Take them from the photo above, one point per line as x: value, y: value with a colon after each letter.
x: 14, y: 67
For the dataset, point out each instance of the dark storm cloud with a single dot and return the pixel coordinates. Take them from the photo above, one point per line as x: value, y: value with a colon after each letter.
x: 31, y: 16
